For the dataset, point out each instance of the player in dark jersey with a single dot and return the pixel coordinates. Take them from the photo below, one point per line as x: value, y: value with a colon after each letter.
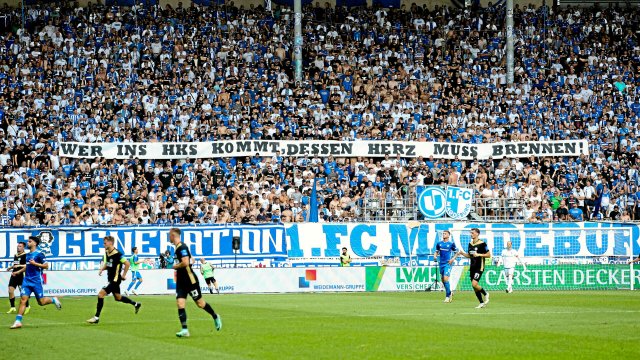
x: 187, y: 283
x: 477, y: 252
x: 634, y: 260
x: 117, y: 267
x: 17, y: 276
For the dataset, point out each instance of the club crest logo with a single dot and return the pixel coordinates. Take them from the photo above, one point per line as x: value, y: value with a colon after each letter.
x: 459, y: 202
x: 435, y: 201
x: 432, y: 202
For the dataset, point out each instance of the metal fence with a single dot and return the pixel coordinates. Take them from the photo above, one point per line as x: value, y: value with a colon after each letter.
x: 406, y: 208
x: 399, y: 209
x: 499, y: 209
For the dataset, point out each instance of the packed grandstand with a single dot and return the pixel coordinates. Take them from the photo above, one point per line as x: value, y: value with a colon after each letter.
x: 161, y: 74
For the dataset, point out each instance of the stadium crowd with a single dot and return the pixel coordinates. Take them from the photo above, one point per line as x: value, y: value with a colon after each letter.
x: 105, y: 74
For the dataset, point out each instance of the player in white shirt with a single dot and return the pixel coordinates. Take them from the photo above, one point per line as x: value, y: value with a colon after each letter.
x: 509, y: 257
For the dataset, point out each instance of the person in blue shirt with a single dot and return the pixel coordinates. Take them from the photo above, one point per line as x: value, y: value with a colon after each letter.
x: 576, y: 213
x: 32, y: 283
x: 324, y: 95
x: 446, y: 252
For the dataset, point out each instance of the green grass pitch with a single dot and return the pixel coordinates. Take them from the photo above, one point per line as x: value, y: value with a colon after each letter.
x: 522, y: 325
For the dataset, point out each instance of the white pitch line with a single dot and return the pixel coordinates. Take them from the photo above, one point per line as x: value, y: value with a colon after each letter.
x: 478, y: 312
x: 386, y: 315
x: 38, y: 322
x: 481, y: 311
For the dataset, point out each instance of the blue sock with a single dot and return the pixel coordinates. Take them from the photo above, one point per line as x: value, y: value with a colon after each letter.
x: 130, y: 285
x: 137, y: 284
x: 447, y: 288
x: 19, y: 318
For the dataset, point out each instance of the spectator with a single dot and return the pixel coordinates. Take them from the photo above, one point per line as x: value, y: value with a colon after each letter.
x: 163, y: 261
x: 562, y: 212
x: 168, y: 259
x: 576, y: 213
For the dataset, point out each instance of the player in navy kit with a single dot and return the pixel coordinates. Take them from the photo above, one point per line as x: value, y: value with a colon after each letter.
x: 446, y: 252
x: 116, y: 266
x: 477, y: 252
x: 17, y: 276
x: 187, y: 284
x: 32, y: 284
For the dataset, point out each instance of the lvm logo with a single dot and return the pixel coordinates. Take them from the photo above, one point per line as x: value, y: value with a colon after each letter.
x: 418, y: 275
x: 304, y: 281
x: 414, y: 279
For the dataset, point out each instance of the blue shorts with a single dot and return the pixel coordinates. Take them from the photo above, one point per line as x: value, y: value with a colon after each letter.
x: 445, y: 270
x: 29, y: 288
x: 135, y: 275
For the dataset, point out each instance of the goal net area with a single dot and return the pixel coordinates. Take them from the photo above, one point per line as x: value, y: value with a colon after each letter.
x: 569, y: 258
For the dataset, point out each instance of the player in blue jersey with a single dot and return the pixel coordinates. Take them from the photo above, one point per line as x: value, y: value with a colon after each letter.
x: 446, y: 252
x: 32, y: 283
x: 136, y: 278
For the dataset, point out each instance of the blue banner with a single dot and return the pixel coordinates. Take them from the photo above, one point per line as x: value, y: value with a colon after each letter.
x: 387, y: 3
x: 77, y: 243
x: 323, y: 241
x: 543, y: 240
x: 209, y: 2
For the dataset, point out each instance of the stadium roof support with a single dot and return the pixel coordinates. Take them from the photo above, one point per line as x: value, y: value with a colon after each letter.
x: 510, y: 51
x: 297, y: 46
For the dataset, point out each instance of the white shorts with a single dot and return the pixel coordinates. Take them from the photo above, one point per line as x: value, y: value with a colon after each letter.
x: 508, y: 272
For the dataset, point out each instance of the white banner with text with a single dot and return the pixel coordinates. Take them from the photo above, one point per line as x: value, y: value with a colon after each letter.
x: 299, y: 148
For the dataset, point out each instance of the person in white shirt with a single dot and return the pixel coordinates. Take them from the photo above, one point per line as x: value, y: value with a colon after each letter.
x: 387, y: 163
x: 509, y: 257
x: 511, y: 193
x: 589, y: 196
x: 580, y: 195
x: 104, y: 218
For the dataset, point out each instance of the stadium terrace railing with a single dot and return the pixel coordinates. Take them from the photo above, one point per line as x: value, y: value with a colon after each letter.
x: 499, y: 209
x: 397, y: 210
x: 406, y: 209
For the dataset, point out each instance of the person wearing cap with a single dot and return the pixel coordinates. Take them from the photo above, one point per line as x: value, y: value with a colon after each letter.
x: 32, y: 284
